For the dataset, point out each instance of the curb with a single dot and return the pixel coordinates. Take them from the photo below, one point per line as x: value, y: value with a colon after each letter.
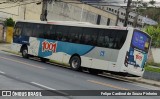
x: 131, y: 80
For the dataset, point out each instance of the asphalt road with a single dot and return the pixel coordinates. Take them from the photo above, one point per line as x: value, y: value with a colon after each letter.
x: 35, y: 75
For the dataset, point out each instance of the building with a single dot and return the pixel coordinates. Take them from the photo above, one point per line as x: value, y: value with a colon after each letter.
x: 103, y: 15
x: 22, y: 9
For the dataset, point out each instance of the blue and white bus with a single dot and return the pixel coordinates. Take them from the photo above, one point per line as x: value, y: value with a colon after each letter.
x: 84, y: 45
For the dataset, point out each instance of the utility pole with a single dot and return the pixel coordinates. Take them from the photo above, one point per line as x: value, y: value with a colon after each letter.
x: 43, y: 16
x: 127, y: 12
x: 24, y: 12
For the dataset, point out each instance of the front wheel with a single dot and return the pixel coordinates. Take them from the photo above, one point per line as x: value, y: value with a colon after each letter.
x: 75, y: 63
x: 25, y: 52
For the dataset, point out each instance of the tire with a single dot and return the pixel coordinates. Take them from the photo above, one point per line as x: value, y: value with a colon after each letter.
x: 25, y: 52
x: 94, y: 71
x: 75, y: 63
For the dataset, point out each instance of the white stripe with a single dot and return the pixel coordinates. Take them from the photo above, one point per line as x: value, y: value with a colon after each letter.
x: 42, y: 86
x: 2, y: 72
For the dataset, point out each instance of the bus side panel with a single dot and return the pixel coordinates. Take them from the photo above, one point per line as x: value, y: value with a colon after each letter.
x: 18, y: 41
x: 34, y: 46
x: 122, y: 52
x: 101, y: 58
x: 57, y: 50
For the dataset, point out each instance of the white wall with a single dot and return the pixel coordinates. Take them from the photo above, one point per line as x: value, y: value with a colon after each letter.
x: 33, y: 11
x: 73, y: 12
x: 156, y: 54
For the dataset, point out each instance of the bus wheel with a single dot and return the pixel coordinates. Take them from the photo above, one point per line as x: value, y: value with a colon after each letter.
x: 94, y: 71
x: 75, y: 63
x: 25, y: 52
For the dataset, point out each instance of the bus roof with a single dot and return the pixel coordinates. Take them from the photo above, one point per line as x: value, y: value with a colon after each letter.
x: 75, y: 23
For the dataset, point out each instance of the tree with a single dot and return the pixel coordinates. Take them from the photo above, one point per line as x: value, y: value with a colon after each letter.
x: 9, y: 22
x: 154, y: 32
x: 152, y: 2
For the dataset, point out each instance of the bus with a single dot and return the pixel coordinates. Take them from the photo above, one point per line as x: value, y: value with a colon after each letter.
x: 81, y: 45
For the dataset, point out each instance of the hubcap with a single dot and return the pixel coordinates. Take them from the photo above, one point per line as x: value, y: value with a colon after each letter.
x: 24, y: 52
x: 75, y: 63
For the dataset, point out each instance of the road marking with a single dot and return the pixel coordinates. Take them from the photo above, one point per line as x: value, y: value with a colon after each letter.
x: 2, y: 72
x: 108, y: 85
x: 43, y: 86
x: 22, y: 63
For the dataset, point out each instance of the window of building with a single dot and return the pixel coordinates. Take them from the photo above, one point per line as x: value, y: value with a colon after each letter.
x: 112, y: 10
x: 115, y: 11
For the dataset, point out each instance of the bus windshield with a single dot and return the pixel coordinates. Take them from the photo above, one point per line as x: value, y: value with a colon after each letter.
x: 141, y: 40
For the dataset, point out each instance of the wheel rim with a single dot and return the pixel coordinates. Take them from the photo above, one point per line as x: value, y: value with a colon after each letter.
x: 24, y: 52
x: 75, y: 63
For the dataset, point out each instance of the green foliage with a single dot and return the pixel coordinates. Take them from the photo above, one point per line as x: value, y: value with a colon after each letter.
x: 9, y: 22
x: 154, y: 32
x: 152, y: 69
x: 152, y: 2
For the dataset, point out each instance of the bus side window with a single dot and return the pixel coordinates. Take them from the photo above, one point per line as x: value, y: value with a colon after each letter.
x: 94, y: 35
x: 112, y: 38
x: 100, y: 40
x: 75, y: 35
x: 122, y: 37
x: 62, y: 33
x: 49, y: 32
x: 87, y: 36
x: 106, y: 38
x: 18, y: 29
x: 38, y: 30
x: 27, y: 29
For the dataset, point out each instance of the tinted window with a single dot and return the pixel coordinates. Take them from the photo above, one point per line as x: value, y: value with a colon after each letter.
x: 27, y: 29
x: 75, y: 34
x: 18, y: 28
x: 38, y: 30
x: 62, y: 33
x: 89, y: 36
x: 50, y: 32
x: 110, y: 38
x: 103, y: 39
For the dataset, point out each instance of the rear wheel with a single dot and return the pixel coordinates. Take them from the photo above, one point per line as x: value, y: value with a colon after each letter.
x: 75, y: 63
x: 25, y: 52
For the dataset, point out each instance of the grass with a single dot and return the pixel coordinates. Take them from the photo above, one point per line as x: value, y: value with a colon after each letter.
x: 152, y: 69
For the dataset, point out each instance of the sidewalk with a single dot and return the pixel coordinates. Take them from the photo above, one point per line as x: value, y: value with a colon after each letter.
x: 7, y: 48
